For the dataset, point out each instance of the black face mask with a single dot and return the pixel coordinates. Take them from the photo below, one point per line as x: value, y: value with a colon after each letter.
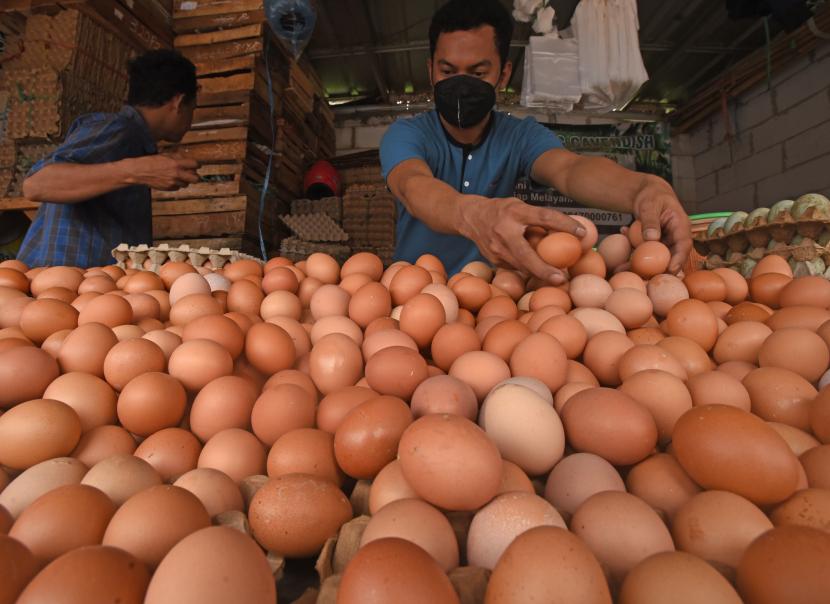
x: 464, y: 100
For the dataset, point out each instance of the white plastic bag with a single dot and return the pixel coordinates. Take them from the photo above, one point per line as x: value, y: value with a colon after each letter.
x: 551, y: 76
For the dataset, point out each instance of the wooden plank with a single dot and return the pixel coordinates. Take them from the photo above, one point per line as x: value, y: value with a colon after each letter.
x: 201, y: 8
x: 230, y: 115
x: 124, y: 24
x: 245, y: 63
x: 201, y: 189
x: 199, y: 206
x: 215, y: 135
x: 223, y: 50
x: 17, y: 203
x: 241, y: 81
x: 231, y: 97
x: 233, y: 243
x: 151, y: 14
x: 216, y: 224
x: 214, y: 151
x: 220, y: 170
x: 210, y: 22
x: 216, y: 37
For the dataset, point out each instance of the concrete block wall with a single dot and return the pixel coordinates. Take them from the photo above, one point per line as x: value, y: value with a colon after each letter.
x: 779, y: 148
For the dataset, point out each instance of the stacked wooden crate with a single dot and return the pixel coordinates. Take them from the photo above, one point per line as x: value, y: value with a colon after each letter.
x: 242, y: 69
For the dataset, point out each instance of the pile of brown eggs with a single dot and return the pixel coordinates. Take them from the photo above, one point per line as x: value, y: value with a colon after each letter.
x: 631, y: 436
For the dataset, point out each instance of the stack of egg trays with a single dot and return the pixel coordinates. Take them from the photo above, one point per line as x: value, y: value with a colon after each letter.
x: 137, y: 255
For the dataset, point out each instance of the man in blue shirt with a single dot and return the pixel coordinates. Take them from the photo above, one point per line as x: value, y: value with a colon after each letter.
x: 95, y: 188
x: 454, y: 169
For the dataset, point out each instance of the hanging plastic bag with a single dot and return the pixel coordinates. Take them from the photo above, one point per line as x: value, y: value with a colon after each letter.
x: 551, y: 73
x: 292, y: 21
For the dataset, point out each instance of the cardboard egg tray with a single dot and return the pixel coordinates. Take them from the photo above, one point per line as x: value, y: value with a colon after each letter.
x: 295, y: 249
x: 315, y: 227
x: 331, y: 206
x: 130, y: 256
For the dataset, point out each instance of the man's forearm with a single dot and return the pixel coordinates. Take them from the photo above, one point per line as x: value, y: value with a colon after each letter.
x: 74, y: 183
x: 599, y: 182
x: 434, y: 203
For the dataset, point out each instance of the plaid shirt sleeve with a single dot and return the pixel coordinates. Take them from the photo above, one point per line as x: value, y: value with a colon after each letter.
x: 72, y: 234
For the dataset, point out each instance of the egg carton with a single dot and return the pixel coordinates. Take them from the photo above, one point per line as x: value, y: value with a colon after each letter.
x: 805, y: 257
x: 131, y: 256
x: 331, y: 206
x: 807, y: 217
x: 315, y: 227
x: 296, y: 249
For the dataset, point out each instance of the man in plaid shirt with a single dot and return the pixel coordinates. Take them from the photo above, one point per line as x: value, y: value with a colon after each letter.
x: 95, y: 188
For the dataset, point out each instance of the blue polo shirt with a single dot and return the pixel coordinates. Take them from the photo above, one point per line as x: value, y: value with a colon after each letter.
x: 83, y: 234
x: 507, y: 152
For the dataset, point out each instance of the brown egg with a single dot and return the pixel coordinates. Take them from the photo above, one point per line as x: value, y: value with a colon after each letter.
x: 662, y: 483
x: 450, y: 462
x: 293, y: 515
x: 665, y: 292
x: 363, y: 263
x: 37, y: 430
x: 143, y: 281
x: 718, y: 526
x: 108, y: 310
x: 151, y: 402
x: 550, y: 296
x: 395, y: 570
x: 220, y: 329
x: 127, y: 332
x: 472, y: 292
x: 799, y: 441
x: 809, y: 291
x: 621, y: 530
x: 14, y: 279
x: 91, y: 397
x: 694, y: 320
x: 39, y: 479
x: 42, y: 318
x: 579, y: 373
x: 19, y: 567
x: 166, y: 340
x: 591, y: 263
x: 269, y: 348
x: 809, y: 507
x: 12, y: 309
x: 483, y: 370
x: 216, y: 564
x: 295, y: 330
x: 417, y: 522
x: 804, y: 317
x: 737, y: 288
x: 567, y: 391
x: 131, y: 358
x: 644, y: 357
x: 506, y: 415
x: 780, y: 395
x: 396, y: 371
x: 305, y: 451
x: 102, y: 442
x: 510, y: 282
x: 648, y: 335
x: 63, y: 519
x: 198, y: 362
x: 215, y: 489
x: 561, y: 250
x: 772, y: 263
x: 170, y: 271
x: 151, y: 522
x: 747, y: 311
x: 663, y: 394
x: 766, y: 289
x: 676, y: 577
x: 187, y: 284
x: 235, y: 452
x: 172, y: 452
x: 56, y: 276
x: 650, y: 258
x: 189, y: 308
x: 741, y: 341
x: 718, y: 388
x: 336, y: 405
x: 786, y: 564
x: 705, y: 285
x: 90, y: 574
x: 335, y: 362
x: 816, y: 462
x: 615, y: 250
x: 590, y: 428
x: 367, y: 438
x: 444, y: 394
x: 245, y: 297
x: 542, y: 357
x: 603, y: 353
x: 163, y: 298
x: 225, y: 402
x: 53, y: 343
x: 57, y: 293
x: 389, y: 485
x: 724, y: 448
x: 121, y: 476
x: 280, y: 409
x: 595, y: 320
x: 799, y: 350
x: 408, y: 282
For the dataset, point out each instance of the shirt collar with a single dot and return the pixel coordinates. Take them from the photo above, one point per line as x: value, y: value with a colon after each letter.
x: 148, y: 142
x: 455, y: 143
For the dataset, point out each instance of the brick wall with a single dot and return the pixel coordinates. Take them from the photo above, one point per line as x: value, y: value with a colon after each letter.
x: 780, y: 148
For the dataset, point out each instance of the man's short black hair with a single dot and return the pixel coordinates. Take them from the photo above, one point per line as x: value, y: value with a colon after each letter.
x: 159, y: 75
x: 464, y: 15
